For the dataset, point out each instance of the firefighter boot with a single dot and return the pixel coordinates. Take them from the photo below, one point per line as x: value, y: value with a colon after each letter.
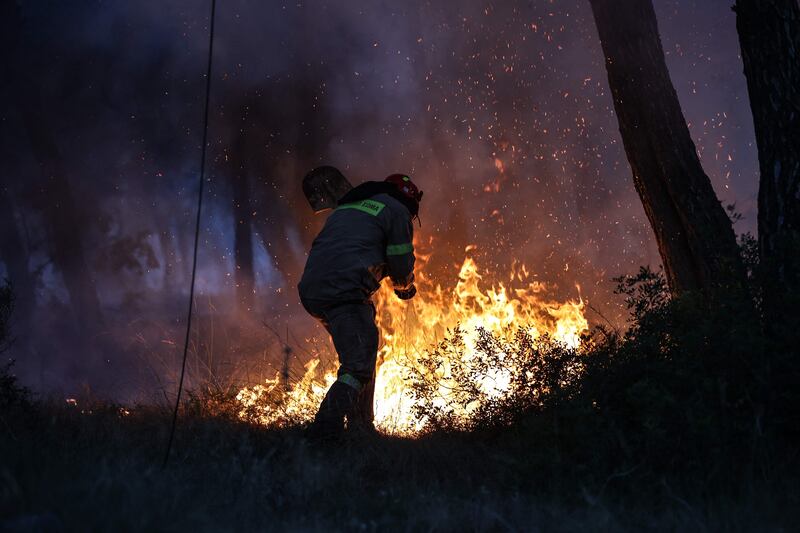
x: 340, y: 402
x: 363, y: 421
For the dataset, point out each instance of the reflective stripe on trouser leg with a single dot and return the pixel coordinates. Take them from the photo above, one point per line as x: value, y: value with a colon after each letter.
x: 347, y: 379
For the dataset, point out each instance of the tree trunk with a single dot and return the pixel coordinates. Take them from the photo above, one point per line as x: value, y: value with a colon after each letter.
x: 62, y: 218
x: 14, y: 254
x: 694, y: 235
x: 243, y: 231
x: 769, y: 36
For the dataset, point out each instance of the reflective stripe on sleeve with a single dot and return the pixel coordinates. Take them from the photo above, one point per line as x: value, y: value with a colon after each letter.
x: 399, y: 249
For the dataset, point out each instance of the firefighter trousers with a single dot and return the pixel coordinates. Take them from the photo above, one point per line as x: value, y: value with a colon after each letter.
x: 352, y: 328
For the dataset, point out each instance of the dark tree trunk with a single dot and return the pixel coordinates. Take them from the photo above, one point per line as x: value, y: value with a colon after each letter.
x: 243, y: 232
x: 13, y: 251
x: 769, y: 36
x: 694, y: 235
x: 63, y: 219
x: 14, y: 254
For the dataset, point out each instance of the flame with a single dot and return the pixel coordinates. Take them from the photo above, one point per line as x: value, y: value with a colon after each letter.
x: 409, y: 328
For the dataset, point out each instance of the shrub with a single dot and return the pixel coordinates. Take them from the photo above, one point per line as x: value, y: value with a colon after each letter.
x: 10, y: 392
x: 684, y: 386
x: 535, y: 372
x: 6, y: 308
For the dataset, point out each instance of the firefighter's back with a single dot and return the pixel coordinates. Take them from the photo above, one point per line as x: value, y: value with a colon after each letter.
x: 347, y: 259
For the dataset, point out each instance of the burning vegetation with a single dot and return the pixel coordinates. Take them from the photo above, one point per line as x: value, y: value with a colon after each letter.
x: 449, y: 352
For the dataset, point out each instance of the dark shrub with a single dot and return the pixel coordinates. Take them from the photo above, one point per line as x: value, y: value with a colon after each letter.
x: 10, y: 392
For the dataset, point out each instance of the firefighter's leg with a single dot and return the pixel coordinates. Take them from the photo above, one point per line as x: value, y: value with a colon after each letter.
x: 355, y: 337
x: 339, y: 402
x: 366, y: 406
x: 365, y: 412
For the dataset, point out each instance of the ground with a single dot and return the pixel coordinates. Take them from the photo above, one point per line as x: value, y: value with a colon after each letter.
x: 67, y: 469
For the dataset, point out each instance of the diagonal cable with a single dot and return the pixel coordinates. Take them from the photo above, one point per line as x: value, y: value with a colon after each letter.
x: 196, y: 234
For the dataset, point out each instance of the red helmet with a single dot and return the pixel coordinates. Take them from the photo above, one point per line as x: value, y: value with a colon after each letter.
x: 406, y: 186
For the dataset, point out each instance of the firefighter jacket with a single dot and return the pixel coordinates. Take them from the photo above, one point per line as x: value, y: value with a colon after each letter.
x: 367, y: 238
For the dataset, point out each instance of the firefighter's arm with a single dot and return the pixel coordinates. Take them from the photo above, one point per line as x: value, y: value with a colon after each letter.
x: 400, y: 256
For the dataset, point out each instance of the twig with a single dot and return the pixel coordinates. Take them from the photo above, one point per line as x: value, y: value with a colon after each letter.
x: 304, y: 350
x: 616, y: 330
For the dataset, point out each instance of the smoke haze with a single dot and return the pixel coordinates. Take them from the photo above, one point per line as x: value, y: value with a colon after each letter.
x: 500, y: 112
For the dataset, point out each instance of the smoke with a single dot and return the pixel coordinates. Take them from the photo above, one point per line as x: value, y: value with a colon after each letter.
x: 501, y: 113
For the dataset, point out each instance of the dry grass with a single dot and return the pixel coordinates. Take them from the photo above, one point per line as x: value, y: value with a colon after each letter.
x: 96, y: 468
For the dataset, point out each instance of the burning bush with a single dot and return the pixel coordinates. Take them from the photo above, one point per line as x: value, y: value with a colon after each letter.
x: 502, y: 378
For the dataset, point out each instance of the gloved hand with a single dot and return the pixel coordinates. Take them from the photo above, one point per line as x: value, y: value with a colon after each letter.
x: 406, y: 294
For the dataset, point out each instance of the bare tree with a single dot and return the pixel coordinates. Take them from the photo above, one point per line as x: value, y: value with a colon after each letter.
x: 769, y: 36
x: 695, y: 237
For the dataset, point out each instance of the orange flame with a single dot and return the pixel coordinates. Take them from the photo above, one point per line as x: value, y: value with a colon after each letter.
x: 408, y: 328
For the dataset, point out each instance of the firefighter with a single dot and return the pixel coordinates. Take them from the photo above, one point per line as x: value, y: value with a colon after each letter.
x: 368, y: 237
